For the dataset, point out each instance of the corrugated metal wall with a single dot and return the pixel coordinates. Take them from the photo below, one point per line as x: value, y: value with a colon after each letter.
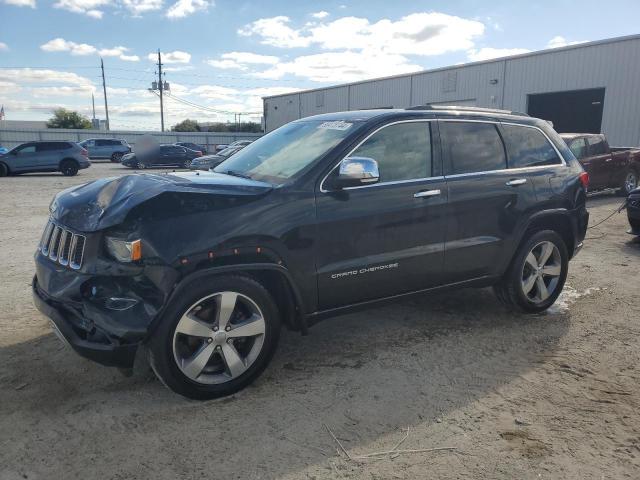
x: 11, y: 137
x: 506, y: 83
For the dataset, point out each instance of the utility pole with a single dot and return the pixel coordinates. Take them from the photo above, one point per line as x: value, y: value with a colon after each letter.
x: 93, y: 106
x: 104, y: 90
x: 161, y: 88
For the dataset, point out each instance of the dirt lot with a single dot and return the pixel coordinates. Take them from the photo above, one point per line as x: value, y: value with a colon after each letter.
x: 549, y: 396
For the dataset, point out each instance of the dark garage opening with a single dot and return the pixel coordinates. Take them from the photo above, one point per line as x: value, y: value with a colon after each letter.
x: 578, y: 111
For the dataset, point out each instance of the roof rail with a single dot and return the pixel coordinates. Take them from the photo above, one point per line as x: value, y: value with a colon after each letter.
x: 462, y: 108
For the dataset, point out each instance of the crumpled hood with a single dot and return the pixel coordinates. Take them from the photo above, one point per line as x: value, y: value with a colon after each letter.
x: 106, y: 202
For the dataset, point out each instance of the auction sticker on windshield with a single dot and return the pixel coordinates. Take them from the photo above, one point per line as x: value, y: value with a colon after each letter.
x: 335, y: 125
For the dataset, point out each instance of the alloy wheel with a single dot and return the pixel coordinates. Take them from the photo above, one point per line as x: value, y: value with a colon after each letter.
x: 218, y: 338
x: 541, y: 272
x: 630, y: 182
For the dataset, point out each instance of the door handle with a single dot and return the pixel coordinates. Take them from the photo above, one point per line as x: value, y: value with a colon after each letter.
x: 426, y: 193
x: 515, y: 182
x: 609, y: 159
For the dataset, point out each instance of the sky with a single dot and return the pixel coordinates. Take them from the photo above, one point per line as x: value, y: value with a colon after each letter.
x: 221, y: 56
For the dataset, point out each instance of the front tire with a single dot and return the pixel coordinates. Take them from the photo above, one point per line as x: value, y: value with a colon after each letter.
x: 216, y: 338
x: 116, y: 157
x: 537, y: 274
x: 4, y: 170
x: 69, y: 168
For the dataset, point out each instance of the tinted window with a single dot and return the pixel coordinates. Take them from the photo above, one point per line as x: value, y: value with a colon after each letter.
x: 597, y: 145
x: 106, y: 143
x: 29, y: 148
x: 403, y: 151
x: 51, y: 146
x: 528, y: 147
x: 472, y: 147
x: 579, y: 148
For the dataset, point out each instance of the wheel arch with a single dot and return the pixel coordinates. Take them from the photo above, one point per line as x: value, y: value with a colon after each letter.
x: 68, y: 159
x: 558, y: 220
x: 7, y: 167
x: 274, y: 277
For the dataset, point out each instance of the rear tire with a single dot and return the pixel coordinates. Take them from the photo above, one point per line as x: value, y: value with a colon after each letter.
x: 629, y: 183
x: 4, y: 170
x: 186, y: 164
x: 216, y: 338
x: 69, y: 168
x: 142, y: 165
x: 537, y: 274
x: 116, y: 157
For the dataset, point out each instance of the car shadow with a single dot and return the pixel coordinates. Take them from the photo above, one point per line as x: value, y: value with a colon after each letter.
x: 365, y: 375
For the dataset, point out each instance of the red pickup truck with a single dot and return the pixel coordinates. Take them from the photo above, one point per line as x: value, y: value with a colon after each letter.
x: 617, y: 168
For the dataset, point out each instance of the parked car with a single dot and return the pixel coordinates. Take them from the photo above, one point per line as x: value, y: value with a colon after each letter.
x: 617, y: 168
x: 633, y: 211
x: 210, y: 161
x: 193, y: 146
x: 50, y: 156
x: 3, y: 150
x: 164, y: 155
x: 238, y: 143
x: 110, y: 148
x: 322, y: 216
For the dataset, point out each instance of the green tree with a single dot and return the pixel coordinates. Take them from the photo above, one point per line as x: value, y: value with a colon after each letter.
x: 63, y: 118
x: 186, y: 126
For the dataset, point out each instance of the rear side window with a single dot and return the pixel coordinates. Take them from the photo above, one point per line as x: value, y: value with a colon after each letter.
x: 597, y: 145
x: 403, y: 151
x: 107, y: 143
x: 578, y: 147
x: 528, y: 147
x: 52, y: 146
x: 472, y: 147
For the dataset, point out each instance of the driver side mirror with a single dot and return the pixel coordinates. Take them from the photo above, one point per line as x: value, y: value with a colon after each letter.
x: 356, y: 171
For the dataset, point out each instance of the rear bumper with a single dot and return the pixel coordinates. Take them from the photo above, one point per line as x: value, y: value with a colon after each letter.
x: 74, y: 332
x: 580, y: 223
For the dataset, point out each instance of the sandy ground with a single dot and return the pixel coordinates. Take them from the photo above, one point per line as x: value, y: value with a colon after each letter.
x: 548, y: 396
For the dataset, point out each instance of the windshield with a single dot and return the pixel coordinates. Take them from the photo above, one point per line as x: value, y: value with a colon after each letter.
x: 282, y: 154
x: 227, y: 151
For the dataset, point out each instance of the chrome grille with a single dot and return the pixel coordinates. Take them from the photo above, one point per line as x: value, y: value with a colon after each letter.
x: 62, y: 245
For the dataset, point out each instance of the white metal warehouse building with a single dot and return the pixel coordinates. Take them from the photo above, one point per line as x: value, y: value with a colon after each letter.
x: 590, y: 87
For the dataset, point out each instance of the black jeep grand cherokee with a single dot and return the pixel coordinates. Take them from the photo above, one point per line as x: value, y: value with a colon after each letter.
x: 323, y: 215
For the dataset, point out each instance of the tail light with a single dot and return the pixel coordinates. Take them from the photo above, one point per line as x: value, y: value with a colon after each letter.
x: 84, y: 152
x: 584, y: 180
x: 198, y: 154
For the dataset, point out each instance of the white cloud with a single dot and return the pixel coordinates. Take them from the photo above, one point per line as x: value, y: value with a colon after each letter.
x: 341, y: 66
x: 7, y: 88
x: 138, y: 7
x: 129, y: 58
x: 4, y: 47
x: 488, y: 53
x: 176, y: 56
x: 241, y: 60
x: 87, y: 7
x: 21, y: 3
x: 424, y: 33
x: 62, y: 45
x: 184, y: 8
x: 559, y: 41
x: 275, y: 31
x: 215, y: 92
x: 29, y: 75
x: 269, y: 91
x: 64, y: 91
x: 320, y: 15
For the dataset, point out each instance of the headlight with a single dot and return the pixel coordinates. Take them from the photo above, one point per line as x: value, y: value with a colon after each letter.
x: 122, y: 250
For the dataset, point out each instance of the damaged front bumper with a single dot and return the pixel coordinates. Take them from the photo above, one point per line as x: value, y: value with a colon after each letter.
x: 103, y: 318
